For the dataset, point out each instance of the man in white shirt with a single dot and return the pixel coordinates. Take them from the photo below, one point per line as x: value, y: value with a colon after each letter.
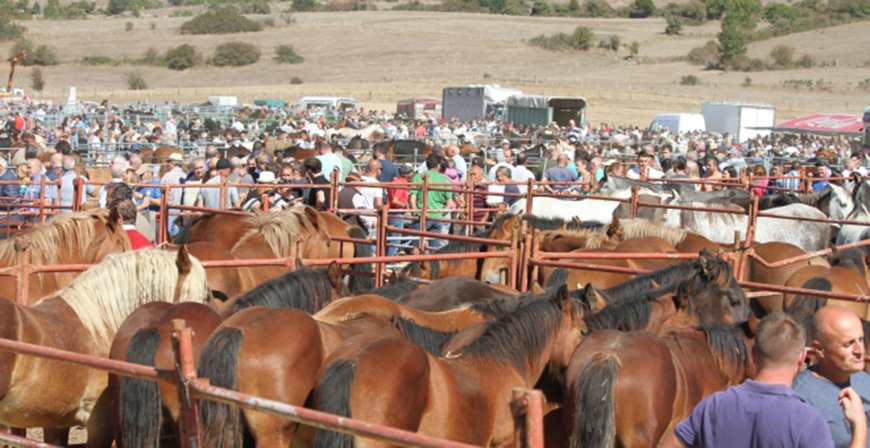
x: 522, y: 174
x: 508, y: 163
x: 370, y: 197
x: 644, y: 165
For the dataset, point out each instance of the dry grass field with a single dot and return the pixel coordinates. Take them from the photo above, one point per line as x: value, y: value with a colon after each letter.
x: 379, y: 57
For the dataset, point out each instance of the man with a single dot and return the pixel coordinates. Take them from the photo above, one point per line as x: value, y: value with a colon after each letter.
x: 10, y: 189
x: 823, y: 172
x: 559, y: 173
x: 764, y: 412
x: 452, y: 153
x: 679, y: 167
x: 502, y: 202
x: 174, y: 176
x: 508, y: 163
x: 127, y: 219
x: 854, y: 166
x: 838, y: 344
x: 551, y: 160
x: 644, y: 168
x: 479, y: 213
x: 318, y: 197
x: 388, y: 168
x: 522, y: 174
x: 713, y: 173
x: 329, y: 161
x: 239, y: 175
x: 795, y: 183
x: 435, y: 200
x: 117, y: 168
x: 194, y: 177
x: 397, y: 200
x: 211, y: 197
x: 68, y: 184
x: 371, y: 198
x: 33, y: 193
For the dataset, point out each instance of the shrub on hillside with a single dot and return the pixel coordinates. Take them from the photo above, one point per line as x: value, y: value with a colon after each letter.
x: 78, y: 10
x: 182, y: 13
x: 542, y: 8
x: 9, y: 30
x: 596, y: 8
x: 675, y: 26
x: 222, y: 21
x: 41, y: 55
x: 182, y: 57
x: 135, y: 81
x: 782, y: 55
x: 97, y: 60
x: 689, y: 80
x: 777, y: 11
x: 37, y: 80
x: 641, y: 9
x: 235, y: 54
x: 305, y: 5
x: 257, y: 7
x: 295, y: 80
x: 286, y: 54
x: 707, y: 55
x: 580, y: 39
x: 694, y: 11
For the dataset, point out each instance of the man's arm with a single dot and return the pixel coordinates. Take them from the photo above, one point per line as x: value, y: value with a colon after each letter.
x: 853, y: 410
x: 671, y: 441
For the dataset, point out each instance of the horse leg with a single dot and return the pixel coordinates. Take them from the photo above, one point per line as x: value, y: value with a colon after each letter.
x: 101, y: 427
x: 56, y: 436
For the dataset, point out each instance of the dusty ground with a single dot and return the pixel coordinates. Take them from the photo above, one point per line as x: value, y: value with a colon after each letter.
x: 382, y: 56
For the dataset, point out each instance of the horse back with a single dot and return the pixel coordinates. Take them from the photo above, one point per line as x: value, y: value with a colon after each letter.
x: 10, y: 329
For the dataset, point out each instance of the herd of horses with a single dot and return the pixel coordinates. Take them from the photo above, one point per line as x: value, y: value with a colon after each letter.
x: 620, y: 357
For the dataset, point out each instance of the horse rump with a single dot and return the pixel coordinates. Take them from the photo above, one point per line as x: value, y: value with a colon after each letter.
x: 594, y: 424
x: 334, y: 398
x: 221, y: 423
x: 140, y: 405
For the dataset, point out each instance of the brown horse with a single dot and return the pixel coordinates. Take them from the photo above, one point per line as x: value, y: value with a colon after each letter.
x: 221, y: 229
x: 462, y: 396
x: 630, y: 389
x: 451, y: 292
x: 159, y: 156
x: 145, y: 338
x: 75, y: 238
x: 848, y: 274
x: 224, y: 282
x: 275, y: 354
x: 83, y: 318
x: 336, y: 227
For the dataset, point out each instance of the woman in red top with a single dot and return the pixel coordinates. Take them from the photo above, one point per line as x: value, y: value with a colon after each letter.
x: 397, y: 199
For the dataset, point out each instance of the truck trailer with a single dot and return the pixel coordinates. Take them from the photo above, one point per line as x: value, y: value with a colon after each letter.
x: 475, y: 102
x: 528, y: 110
x: 741, y: 120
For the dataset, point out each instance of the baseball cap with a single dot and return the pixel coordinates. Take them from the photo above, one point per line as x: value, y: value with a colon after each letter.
x: 144, y: 168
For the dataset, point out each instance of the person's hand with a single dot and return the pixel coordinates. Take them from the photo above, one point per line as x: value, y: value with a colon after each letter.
x: 853, y: 408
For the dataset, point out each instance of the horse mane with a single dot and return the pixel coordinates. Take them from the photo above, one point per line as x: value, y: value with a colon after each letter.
x: 628, y: 315
x: 812, y: 199
x: 431, y: 340
x: 525, y: 332
x: 304, y: 289
x: 493, y: 308
x: 639, y: 287
x: 806, y: 305
x: 104, y: 295
x: 594, y: 240
x: 541, y: 223
x: 183, y: 236
x: 635, y: 228
x: 728, y: 347
x: 688, y: 217
x: 852, y: 258
x: 276, y: 229
x: 65, y: 234
x: 397, y: 291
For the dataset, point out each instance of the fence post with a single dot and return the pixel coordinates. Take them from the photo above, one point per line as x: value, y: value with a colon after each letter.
x: 222, y: 202
x: 425, y: 208
x: 633, y: 204
x: 78, y: 194
x: 469, y: 204
x: 514, y: 261
x: 333, y: 196
x: 381, y: 244
x: 527, y: 408
x: 182, y: 338
x: 530, y: 195
x: 163, y: 231
x: 526, y: 252
x: 42, y: 199
x: 22, y: 284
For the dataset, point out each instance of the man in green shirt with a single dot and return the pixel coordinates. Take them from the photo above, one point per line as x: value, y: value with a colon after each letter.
x: 435, y: 200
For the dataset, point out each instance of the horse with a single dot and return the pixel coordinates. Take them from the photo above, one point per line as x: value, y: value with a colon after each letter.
x: 462, y: 395
x: 848, y: 274
x: 852, y: 233
x: 220, y: 229
x: 306, y: 289
x: 75, y: 238
x: 464, y: 267
x: 451, y: 292
x: 275, y: 354
x: 630, y: 389
x: 137, y: 406
x: 224, y: 282
x: 336, y: 227
x: 721, y: 227
x: 83, y: 318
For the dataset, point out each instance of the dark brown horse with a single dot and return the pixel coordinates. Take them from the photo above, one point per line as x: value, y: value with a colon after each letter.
x: 630, y: 389
x: 462, y: 396
x: 83, y: 318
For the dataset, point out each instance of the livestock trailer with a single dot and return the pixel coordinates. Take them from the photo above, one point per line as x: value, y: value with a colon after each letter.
x: 742, y: 120
x: 415, y: 108
x: 475, y: 102
x: 679, y: 122
x: 537, y: 110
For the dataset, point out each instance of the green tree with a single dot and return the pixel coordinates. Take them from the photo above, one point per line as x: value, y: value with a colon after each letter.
x: 694, y: 10
x: 582, y: 38
x: 235, y: 54
x: 37, y: 80
x: 717, y: 8
x: 573, y: 6
x: 116, y: 7
x: 776, y: 11
x: 542, y: 8
x: 746, y: 12
x: 634, y: 48
x: 182, y: 57
x: 732, y: 41
x: 640, y: 9
x: 286, y: 54
x: 614, y: 42
x: 783, y: 55
x: 675, y: 26
x: 304, y: 5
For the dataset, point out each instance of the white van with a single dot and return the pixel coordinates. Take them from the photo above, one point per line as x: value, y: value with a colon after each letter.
x: 679, y: 122
x: 323, y: 104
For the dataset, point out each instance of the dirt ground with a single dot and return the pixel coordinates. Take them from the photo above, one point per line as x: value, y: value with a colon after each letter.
x: 379, y: 57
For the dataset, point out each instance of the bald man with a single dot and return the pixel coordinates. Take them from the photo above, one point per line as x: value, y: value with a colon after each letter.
x: 370, y: 198
x: 838, y: 343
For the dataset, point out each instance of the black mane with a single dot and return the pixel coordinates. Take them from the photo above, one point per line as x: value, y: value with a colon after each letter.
x: 624, y: 316
x: 431, y: 340
x: 640, y: 287
x: 183, y: 235
x: 397, y: 291
x: 305, y: 289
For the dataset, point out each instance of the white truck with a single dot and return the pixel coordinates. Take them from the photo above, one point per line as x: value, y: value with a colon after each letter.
x: 678, y: 122
x: 742, y: 120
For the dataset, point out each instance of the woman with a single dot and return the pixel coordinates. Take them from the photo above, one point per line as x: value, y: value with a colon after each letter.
x: 760, y: 184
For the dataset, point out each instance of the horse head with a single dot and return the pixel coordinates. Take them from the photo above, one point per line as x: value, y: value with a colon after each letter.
x: 716, y: 296
x: 841, y: 202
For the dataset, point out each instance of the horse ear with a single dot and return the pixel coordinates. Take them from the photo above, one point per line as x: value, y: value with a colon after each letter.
x: 708, y: 264
x: 182, y: 260
x: 564, y: 299
x: 394, y: 277
x: 594, y: 300
x: 113, y: 219
x: 681, y: 298
x: 615, y: 228
x: 654, y: 285
x: 334, y: 271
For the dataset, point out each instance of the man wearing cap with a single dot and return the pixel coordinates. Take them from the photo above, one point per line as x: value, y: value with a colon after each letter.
x: 149, y: 197
x: 211, y: 197
x: 174, y: 176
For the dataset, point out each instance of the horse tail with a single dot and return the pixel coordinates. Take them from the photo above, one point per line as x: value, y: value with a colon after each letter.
x: 360, y: 283
x: 334, y: 398
x: 183, y: 235
x: 594, y: 425
x: 141, y: 409
x: 221, y: 423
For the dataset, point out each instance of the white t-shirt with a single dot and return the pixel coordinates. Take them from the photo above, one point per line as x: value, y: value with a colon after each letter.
x: 366, y: 200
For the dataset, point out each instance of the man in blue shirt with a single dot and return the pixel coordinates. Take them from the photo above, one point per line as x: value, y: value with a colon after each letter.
x: 559, y: 173
x: 765, y: 412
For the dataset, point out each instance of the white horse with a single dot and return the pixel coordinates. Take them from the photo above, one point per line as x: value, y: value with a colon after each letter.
x: 721, y: 227
x: 597, y: 210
